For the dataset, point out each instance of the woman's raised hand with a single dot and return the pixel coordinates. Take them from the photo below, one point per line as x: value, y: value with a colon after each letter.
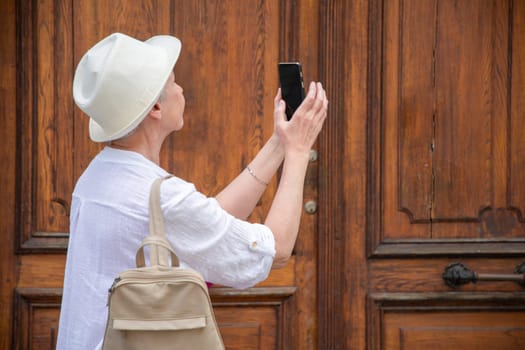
x: 299, y: 134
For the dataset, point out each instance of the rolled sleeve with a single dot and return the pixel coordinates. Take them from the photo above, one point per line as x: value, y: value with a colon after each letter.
x: 224, y: 249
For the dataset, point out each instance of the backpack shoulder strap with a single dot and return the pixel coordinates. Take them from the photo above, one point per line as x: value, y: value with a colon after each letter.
x: 156, y: 239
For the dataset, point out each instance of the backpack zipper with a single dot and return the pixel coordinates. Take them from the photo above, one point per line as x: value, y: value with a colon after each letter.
x: 134, y: 276
x: 115, y: 281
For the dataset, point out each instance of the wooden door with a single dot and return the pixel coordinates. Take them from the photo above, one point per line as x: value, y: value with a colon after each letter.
x: 228, y: 69
x: 425, y: 169
x: 420, y: 164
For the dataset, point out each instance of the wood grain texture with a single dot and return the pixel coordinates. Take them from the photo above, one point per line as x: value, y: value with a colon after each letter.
x: 446, y: 320
x: 426, y: 275
x: 436, y: 330
x: 420, y: 161
x: 37, y: 312
x: 331, y: 194
x: 442, y: 141
x: 228, y: 71
x: 300, y: 40
x: 516, y: 149
x: 251, y: 319
x: 442, y: 113
x: 8, y: 131
x: 44, y: 174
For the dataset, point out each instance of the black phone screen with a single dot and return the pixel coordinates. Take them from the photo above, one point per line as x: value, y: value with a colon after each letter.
x: 292, y: 87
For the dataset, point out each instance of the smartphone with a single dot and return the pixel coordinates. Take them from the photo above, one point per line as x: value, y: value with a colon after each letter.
x: 292, y: 87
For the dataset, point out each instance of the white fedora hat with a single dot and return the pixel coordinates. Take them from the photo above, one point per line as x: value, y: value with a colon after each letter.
x: 118, y: 81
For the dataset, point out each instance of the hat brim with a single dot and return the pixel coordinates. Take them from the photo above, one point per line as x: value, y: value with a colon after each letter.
x: 173, y: 47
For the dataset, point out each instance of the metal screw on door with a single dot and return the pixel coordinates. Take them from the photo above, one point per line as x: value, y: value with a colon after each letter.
x: 310, y: 207
x: 313, y: 156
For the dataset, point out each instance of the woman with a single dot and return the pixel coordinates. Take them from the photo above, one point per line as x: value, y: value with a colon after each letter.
x: 128, y: 89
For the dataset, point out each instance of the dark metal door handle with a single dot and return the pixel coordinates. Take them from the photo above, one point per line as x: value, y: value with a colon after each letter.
x: 457, y: 274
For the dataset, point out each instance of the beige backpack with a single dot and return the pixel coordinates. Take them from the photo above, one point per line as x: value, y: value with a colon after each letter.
x: 160, y: 306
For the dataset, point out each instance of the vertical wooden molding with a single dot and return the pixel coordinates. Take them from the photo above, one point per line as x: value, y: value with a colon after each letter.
x: 288, y: 47
x: 374, y: 324
x: 374, y: 227
x: 44, y: 108
x: 9, y: 262
x: 298, y: 41
x: 331, y: 200
x: 515, y: 105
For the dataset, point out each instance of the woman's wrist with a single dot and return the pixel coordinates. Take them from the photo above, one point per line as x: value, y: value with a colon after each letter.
x: 276, y: 146
x: 275, y: 140
x: 302, y: 154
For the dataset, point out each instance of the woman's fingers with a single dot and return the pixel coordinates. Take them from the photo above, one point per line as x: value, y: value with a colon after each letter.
x: 313, y: 106
x: 279, y: 108
x: 277, y: 98
x: 318, y: 104
x: 315, y: 101
x: 325, y: 100
x: 309, y: 99
x: 319, y: 99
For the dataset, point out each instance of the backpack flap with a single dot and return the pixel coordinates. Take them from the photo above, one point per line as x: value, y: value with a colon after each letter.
x: 161, y: 308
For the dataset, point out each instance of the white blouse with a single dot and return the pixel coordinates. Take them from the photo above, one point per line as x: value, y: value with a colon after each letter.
x: 109, y: 219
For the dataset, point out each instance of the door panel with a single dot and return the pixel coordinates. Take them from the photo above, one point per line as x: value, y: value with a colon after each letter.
x: 445, y: 151
x: 442, y: 174
x: 44, y: 171
x: 464, y: 330
x: 228, y: 69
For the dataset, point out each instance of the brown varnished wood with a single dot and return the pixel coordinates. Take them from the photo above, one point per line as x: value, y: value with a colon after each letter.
x: 426, y: 276
x: 442, y: 87
x: 247, y: 320
x: 228, y: 71
x: 302, y: 43
x: 331, y: 238
x: 444, y: 121
x: 43, y: 96
x: 8, y: 131
x: 516, y: 170
x: 47, y: 271
x: 471, y: 330
x: 420, y: 162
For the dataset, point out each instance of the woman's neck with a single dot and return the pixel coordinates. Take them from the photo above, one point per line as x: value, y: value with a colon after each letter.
x: 140, y: 142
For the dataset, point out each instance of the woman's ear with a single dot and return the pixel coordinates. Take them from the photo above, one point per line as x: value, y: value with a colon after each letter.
x: 156, y: 111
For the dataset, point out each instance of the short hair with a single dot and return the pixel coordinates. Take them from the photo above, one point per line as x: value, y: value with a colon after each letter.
x: 162, y: 98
